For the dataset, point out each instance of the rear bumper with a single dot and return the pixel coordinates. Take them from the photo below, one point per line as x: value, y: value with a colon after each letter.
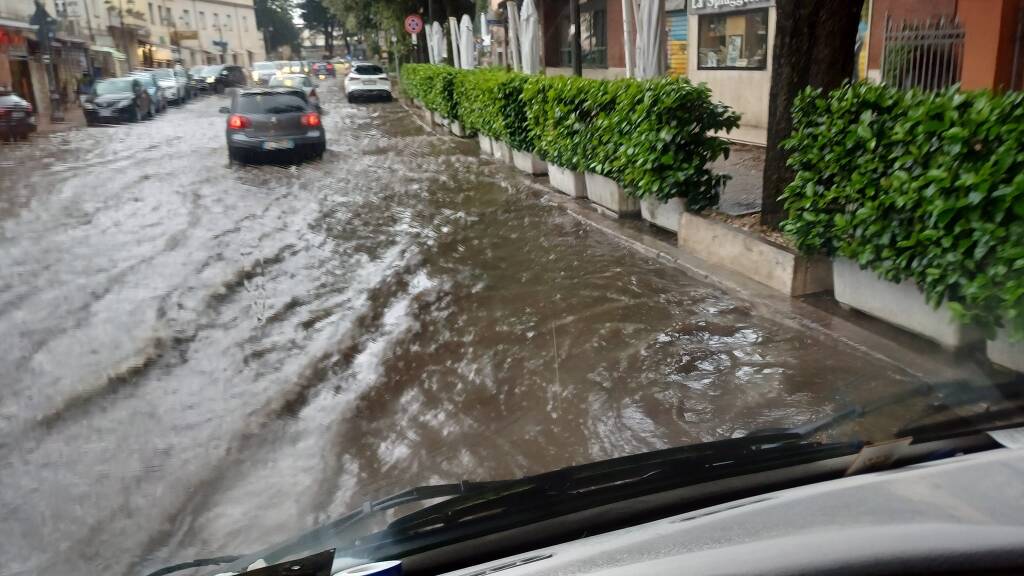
x: 369, y: 93
x: 255, y: 144
x: 116, y: 117
x: 18, y: 127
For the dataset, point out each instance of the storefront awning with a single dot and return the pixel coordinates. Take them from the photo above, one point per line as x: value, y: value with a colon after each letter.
x: 16, y: 25
x: 115, y: 53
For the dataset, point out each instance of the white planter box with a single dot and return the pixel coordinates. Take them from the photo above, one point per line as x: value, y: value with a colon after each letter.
x: 747, y: 253
x: 528, y: 162
x: 501, y: 151
x: 900, y: 304
x: 485, y: 143
x: 662, y: 214
x: 456, y: 128
x: 1006, y: 353
x: 607, y: 193
x: 567, y: 181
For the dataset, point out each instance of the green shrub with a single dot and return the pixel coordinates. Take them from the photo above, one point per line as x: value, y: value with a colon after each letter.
x: 654, y: 137
x: 925, y: 186
x: 433, y: 85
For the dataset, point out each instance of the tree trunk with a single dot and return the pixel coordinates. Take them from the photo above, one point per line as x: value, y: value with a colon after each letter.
x: 814, y: 46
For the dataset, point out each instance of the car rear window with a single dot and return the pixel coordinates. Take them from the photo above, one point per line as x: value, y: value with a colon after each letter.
x: 369, y: 70
x: 271, y: 103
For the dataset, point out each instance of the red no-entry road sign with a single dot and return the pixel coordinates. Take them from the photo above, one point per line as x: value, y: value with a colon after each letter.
x: 413, y: 23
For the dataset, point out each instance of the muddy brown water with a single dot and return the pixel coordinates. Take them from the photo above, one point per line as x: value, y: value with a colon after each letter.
x: 201, y: 359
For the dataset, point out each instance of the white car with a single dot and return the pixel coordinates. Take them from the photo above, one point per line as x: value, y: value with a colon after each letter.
x: 367, y: 81
x: 297, y: 81
x: 173, y: 87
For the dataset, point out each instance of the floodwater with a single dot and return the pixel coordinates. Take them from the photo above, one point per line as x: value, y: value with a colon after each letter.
x: 203, y: 359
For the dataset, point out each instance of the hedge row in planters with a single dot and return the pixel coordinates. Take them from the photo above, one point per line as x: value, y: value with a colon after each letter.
x: 651, y: 136
x: 926, y: 186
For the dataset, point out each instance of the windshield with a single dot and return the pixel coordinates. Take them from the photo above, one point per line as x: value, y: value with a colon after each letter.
x: 295, y: 80
x: 368, y: 70
x: 147, y: 80
x: 196, y: 70
x: 232, y: 313
x: 270, y: 103
x: 115, y: 86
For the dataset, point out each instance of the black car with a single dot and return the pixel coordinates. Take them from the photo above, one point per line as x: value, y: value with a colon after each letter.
x: 272, y: 120
x: 17, y: 118
x: 117, y: 100
x: 219, y: 77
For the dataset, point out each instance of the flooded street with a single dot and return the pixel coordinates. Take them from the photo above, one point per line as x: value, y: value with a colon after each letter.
x: 203, y: 359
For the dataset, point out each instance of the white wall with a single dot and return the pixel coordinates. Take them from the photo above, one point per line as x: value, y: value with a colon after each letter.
x: 746, y: 91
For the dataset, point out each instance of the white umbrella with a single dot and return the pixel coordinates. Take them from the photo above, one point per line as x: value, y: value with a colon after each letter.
x: 513, y: 35
x: 453, y: 28
x: 440, y: 49
x: 430, y: 45
x: 467, y: 49
x: 529, y: 38
x: 650, y: 39
x: 485, y: 30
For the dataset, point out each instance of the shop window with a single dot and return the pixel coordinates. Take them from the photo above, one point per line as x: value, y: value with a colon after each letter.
x: 738, y: 40
x: 152, y: 20
x: 245, y: 24
x: 593, y: 35
x: 202, y: 20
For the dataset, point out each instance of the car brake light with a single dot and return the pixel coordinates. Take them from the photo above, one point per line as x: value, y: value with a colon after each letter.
x: 3, y: 112
x: 312, y: 119
x: 330, y: 66
x: 238, y: 122
x: 29, y: 107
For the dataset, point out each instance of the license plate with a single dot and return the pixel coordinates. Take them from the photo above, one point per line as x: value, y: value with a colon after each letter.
x: 17, y: 115
x: 369, y: 82
x: 322, y: 76
x: 106, y: 112
x: 278, y: 145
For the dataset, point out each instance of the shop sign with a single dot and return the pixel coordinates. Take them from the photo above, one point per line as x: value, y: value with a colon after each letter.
x: 722, y: 6
x: 13, y: 43
x: 180, y: 35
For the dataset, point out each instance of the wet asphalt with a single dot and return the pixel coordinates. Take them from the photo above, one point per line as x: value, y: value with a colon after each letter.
x: 202, y: 358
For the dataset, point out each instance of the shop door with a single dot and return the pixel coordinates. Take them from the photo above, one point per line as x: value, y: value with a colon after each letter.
x: 21, y: 81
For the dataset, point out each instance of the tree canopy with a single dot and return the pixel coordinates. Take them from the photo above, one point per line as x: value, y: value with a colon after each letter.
x: 274, y: 19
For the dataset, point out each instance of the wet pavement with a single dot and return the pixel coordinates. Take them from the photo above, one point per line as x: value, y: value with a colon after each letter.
x: 203, y: 359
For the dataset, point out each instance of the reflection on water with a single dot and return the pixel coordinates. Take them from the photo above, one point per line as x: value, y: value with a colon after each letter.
x: 203, y: 359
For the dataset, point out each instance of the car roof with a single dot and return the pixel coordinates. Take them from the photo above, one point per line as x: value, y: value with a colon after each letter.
x: 270, y: 90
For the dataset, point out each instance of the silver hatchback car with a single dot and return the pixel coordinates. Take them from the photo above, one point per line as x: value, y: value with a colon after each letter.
x: 269, y: 121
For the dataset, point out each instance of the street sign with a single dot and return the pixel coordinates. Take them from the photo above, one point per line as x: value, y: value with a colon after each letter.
x: 413, y: 24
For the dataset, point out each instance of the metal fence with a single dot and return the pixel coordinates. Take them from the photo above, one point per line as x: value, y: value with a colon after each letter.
x: 926, y: 55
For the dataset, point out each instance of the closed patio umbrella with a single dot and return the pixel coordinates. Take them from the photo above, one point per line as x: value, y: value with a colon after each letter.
x: 467, y: 49
x: 529, y: 37
x: 650, y: 39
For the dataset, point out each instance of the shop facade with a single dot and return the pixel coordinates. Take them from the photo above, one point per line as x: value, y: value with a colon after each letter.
x: 730, y: 49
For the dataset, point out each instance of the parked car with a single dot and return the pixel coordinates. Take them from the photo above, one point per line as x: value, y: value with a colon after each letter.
x: 220, y: 77
x: 172, y: 90
x: 196, y: 80
x: 298, y: 81
x: 156, y: 96
x: 323, y: 69
x: 269, y: 120
x: 295, y: 67
x: 367, y: 81
x: 117, y: 100
x: 262, y: 72
x: 17, y: 118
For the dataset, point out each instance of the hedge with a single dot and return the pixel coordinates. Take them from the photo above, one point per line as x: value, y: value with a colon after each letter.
x: 654, y: 137
x: 925, y: 186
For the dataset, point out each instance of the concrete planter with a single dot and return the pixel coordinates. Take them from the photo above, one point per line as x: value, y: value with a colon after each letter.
x: 567, y: 181
x: 501, y: 151
x: 528, y: 162
x: 485, y: 144
x: 428, y: 117
x: 607, y: 193
x: 900, y: 304
x: 419, y: 103
x: 1006, y: 353
x: 663, y: 214
x: 437, y: 118
x: 776, y: 266
x: 456, y: 129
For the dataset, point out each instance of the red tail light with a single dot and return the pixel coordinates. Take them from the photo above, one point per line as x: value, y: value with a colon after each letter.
x: 312, y: 119
x: 238, y: 122
x: 3, y: 112
x: 330, y: 66
x: 29, y: 107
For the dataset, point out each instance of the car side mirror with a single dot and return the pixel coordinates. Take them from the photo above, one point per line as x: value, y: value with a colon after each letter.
x: 225, y: 110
